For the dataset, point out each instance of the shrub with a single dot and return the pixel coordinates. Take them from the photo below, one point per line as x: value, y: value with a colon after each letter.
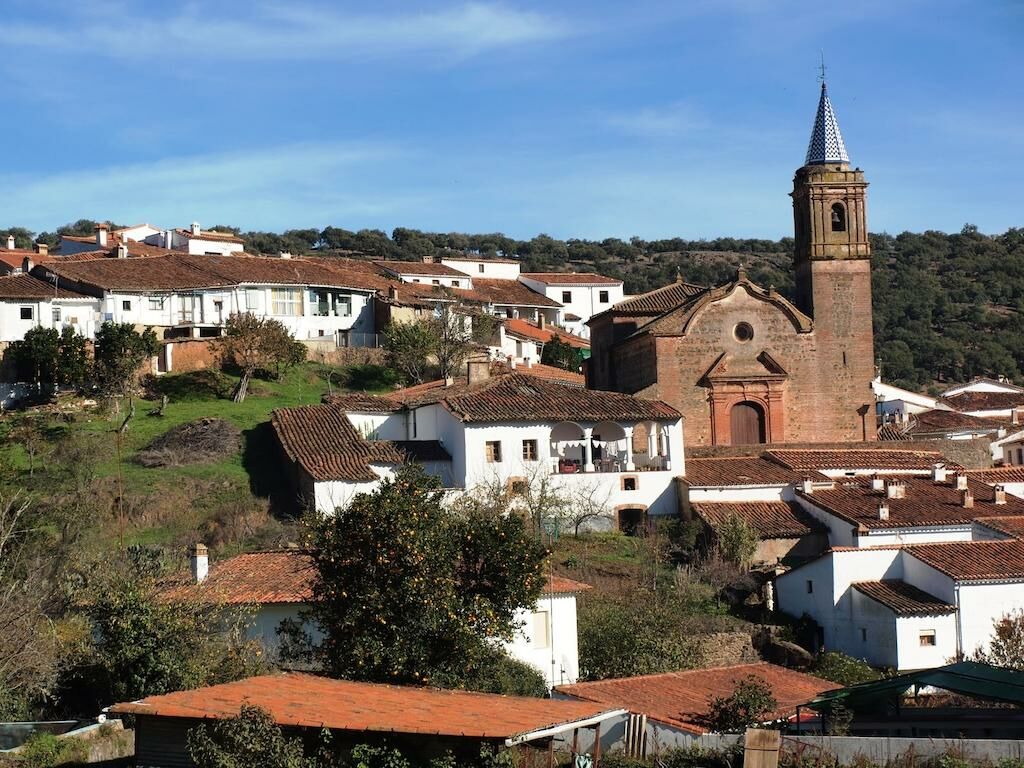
x: 750, y: 703
x: 843, y: 669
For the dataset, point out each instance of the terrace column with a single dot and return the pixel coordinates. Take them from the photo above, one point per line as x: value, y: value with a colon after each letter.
x: 588, y: 450
x: 652, y: 446
x: 629, y: 449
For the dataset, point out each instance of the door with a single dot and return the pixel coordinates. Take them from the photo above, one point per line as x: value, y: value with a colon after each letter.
x: 631, y: 521
x: 747, y: 424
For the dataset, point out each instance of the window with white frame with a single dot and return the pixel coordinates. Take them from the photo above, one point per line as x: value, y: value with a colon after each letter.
x: 541, y: 633
x: 492, y: 451
x: 926, y: 637
x: 253, y: 299
x: 529, y: 450
x: 156, y: 302
x: 27, y: 313
x: 286, y: 302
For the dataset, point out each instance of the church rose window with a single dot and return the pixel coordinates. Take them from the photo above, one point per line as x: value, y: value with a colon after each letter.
x: 743, y: 332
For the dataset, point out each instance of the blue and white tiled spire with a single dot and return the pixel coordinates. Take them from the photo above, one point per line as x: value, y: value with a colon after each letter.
x: 826, y: 141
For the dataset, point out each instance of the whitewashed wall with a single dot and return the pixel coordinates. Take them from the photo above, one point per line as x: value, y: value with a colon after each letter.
x: 486, y: 268
x: 556, y: 656
x: 584, y: 301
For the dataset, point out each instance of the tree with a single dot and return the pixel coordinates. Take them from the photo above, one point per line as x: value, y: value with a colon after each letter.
x: 750, y: 703
x: 37, y: 355
x: 256, y: 343
x: 452, y: 332
x: 1006, y: 648
x: 737, y: 541
x: 843, y: 669
x: 409, y: 592
x: 407, y: 347
x: 561, y: 354
x: 250, y: 739
x: 120, y: 351
x: 72, y: 358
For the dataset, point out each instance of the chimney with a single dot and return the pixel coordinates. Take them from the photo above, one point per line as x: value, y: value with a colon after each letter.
x: 877, y: 483
x: 883, y: 511
x: 169, y: 239
x: 284, y: 254
x: 528, y: 361
x: 200, y: 562
x: 541, y: 322
x: 939, y: 473
x: 122, y: 251
x: 393, y: 293
x: 1000, y: 491
x: 448, y: 381
x: 478, y: 369
x: 10, y: 242
x: 195, y: 229
x: 42, y: 249
x: 102, y: 230
x: 807, y: 485
x: 895, y: 489
x: 26, y: 264
x: 966, y: 498
x: 961, y: 482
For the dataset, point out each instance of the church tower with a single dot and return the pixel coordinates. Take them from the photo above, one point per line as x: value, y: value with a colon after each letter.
x: 833, y: 271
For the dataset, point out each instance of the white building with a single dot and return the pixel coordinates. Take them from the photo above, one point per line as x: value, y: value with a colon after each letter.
x: 523, y: 341
x: 428, y: 273
x: 26, y: 302
x: 512, y: 429
x: 581, y: 294
x: 262, y: 589
x: 895, y: 404
x: 495, y: 269
x: 988, y: 398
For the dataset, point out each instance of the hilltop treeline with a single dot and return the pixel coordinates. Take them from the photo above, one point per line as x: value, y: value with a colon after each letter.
x: 947, y: 307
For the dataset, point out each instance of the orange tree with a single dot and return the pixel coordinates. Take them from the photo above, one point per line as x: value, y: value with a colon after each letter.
x: 411, y: 592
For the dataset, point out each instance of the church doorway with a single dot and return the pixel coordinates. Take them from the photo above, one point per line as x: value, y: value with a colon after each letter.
x: 747, y: 424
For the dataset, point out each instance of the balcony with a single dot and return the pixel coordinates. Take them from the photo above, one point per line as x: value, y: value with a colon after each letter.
x: 607, y: 447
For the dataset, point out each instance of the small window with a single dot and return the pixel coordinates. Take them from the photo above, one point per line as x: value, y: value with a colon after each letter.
x: 863, y: 635
x: 810, y: 587
x: 126, y: 305
x: 492, y: 450
x: 529, y: 450
x: 56, y: 315
x: 926, y: 637
x: 218, y: 306
x: 480, y: 268
x: 510, y: 313
x: 436, y: 282
x: 27, y: 313
x: 252, y: 299
x: 519, y: 486
x: 519, y: 349
x: 602, y: 297
x: 743, y: 332
x: 838, y: 218
x: 566, y: 297
x: 629, y: 483
x: 156, y: 302
x: 455, y: 283
x: 541, y: 629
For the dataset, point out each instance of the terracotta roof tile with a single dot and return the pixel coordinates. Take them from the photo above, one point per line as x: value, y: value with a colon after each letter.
x: 302, y: 700
x: 527, y: 330
x: 682, y: 699
x: 571, y: 278
x: 742, y: 470
x: 985, y: 401
x: 206, y: 234
x: 15, y: 259
x: 902, y: 598
x: 974, y: 560
x: 939, y: 420
x: 926, y: 503
x: 858, y: 459
x: 998, y: 475
x: 541, y: 371
x: 477, y: 259
x: 420, y: 269
x: 506, y: 293
x: 24, y: 286
x: 559, y: 585
x: 769, y: 519
x: 253, y: 578
x: 1012, y: 525
x: 660, y: 300
x: 358, y: 402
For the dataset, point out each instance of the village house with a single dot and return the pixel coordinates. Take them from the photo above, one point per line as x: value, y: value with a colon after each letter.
x: 262, y: 589
x: 521, y: 340
x: 908, y: 606
x: 424, y: 723
x: 667, y: 710
x: 512, y: 428
x: 581, y: 295
x: 987, y: 398
x: 191, y: 240
x: 28, y: 302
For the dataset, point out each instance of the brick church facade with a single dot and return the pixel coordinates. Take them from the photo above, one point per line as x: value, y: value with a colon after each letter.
x: 741, y: 362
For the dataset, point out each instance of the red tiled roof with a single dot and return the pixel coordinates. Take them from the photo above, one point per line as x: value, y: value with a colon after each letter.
x: 358, y: 402
x: 23, y: 286
x: 682, y: 699
x: 253, y: 578
x: 505, y: 293
x: 1012, y: 525
x: 559, y: 585
x: 902, y: 598
x: 322, y: 440
x: 985, y: 401
x: 527, y: 330
x: 206, y: 234
x: 15, y: 259
x: 891, y: 433
x: 939, y: 420
x: 859, y: 458
x: 660, y: 300
x: 477, y: 259
x: 542, y: 371
x: 974, y: 560
x: 998, y: 475
x: 769, y: 519
x: 301, y: 700
x: 926, y: 503
x: 420, y: 268
x: 742, y: 470
x: 571, y: 278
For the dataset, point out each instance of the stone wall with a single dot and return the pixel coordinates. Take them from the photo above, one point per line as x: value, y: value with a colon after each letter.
x: 723, y: 649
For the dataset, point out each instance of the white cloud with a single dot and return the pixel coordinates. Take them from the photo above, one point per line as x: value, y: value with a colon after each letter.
x: 290, y: 31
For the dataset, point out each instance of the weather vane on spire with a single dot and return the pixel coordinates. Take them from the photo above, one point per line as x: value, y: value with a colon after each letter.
x: 821, y: 76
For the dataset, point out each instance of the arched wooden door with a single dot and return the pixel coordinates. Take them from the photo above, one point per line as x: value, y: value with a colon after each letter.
x: 746, y: 421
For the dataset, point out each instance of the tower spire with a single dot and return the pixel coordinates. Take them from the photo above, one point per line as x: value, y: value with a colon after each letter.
x: 826, y: 141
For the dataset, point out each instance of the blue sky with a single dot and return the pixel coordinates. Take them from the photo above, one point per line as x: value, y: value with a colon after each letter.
x: 578, y: 119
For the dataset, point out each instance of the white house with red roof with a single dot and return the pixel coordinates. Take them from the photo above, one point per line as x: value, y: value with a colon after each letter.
x: 265, y: 588
x: 512, y: 429
x: 581, y: 294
